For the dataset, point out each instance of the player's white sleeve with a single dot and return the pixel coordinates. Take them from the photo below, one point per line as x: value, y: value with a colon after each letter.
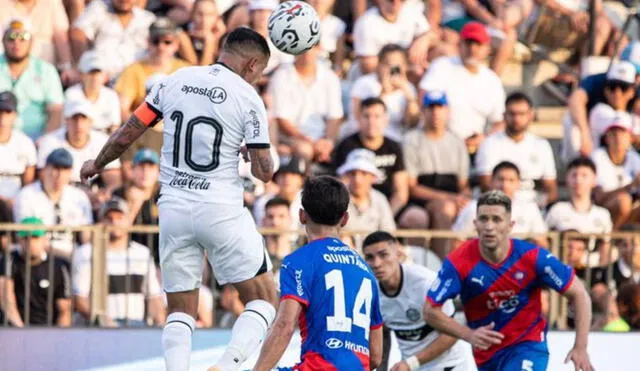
x: 256, y: 124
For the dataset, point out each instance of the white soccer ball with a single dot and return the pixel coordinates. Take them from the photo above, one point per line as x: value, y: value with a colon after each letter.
x: 294, y: 27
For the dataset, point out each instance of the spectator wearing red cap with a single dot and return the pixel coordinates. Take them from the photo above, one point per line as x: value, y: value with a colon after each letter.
x: 475, y: 93
x: 618, y: 166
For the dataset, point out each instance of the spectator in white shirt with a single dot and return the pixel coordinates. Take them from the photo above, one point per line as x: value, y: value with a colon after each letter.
x: 307, y: 106
x: 533, y: 155
x: 391, y: 22
x: 117, y: 29
x: 618, y: 176
x: 438, y: 167
x: 579, y: 213
x: 525, y: 214
x: 390, y: 84
x: 55, y: 201
x: 131, y: 273
x: 332, y: 33
x: 17, y: 151
x: 259, y: 12
x: 80, y: 140
x: 368, y: 209
x: 104, y: 100
x: 475, y: 92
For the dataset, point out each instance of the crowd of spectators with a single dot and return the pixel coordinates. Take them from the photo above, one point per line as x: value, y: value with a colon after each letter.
x: 401, y: 99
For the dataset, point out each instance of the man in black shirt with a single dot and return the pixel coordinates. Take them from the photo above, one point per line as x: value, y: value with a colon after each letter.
x: 389, y: 159
x: 13, y: 281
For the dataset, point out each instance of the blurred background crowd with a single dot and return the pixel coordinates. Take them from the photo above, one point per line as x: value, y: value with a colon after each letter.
x: 418, y: 106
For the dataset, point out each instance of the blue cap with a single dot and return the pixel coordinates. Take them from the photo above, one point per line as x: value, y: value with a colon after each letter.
x: 60, y: 158
x: 631, y: 53
x: 146, y: 155
x: 435, y: 98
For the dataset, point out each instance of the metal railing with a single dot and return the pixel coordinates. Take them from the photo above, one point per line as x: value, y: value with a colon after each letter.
x: 99, y: 235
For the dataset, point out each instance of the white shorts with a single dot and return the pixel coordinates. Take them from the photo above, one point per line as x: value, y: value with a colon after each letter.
x: 228, y: 234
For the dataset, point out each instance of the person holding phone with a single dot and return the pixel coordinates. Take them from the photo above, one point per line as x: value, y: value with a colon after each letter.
x: 389, y: 83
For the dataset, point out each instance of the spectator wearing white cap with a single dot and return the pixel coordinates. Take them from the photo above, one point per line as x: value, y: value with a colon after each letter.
x: 117, y: 29
x: 259, y: 12
x: 50, y: 28
x: 307, y: 106
x: 104, y: 100
x: 368, y: 209
x: 577, y: 138
x: 17, y: 151
x: 391, y: 22
x: 35, y: 82
x: 54, y: 200
x: 79, y: 139
x: 618, y: 166
x: 534, y: 154
x: 438, y: 166
x: 475, y: 93
x: 619, y: 93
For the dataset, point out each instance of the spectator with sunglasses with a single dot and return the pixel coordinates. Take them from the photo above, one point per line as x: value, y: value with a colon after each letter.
x: 577, y: 137
x: 619, y: 92
x: 160, y: 59
x: 34, y: 82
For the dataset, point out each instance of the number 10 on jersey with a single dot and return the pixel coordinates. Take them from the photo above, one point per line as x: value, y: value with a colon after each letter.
x: 339, y: 321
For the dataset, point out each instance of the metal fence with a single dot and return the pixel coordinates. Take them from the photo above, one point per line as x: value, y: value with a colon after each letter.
x: 98, y: 236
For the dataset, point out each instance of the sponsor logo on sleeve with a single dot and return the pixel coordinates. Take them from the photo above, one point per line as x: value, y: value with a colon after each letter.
x: 299, y: 288
x: 554, y: 277
x: 254, y: 122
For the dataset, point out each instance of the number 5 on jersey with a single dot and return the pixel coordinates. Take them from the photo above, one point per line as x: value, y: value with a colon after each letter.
x: 339, y: 321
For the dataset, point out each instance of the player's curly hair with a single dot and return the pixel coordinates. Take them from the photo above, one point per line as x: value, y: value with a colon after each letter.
x: 325, y: 199
x: 493, y: 198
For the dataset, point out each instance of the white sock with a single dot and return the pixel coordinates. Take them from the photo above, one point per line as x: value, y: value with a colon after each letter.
x: 247, y: 333
x: 176, y: 341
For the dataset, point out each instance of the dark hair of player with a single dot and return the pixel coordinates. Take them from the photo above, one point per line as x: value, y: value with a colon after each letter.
x: 370, y: 102
x: 505, y: 165
x: 391, y: 48
x: 378, y: 236
x: 494, y: 198
x: 243, y: 38
x: 325, y: 200
x: 518, y: 97
x: 582, y: 161
x: 276, y: 201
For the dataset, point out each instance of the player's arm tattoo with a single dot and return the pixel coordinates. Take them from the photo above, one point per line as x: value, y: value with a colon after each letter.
x: 261, y: 163
x: 119, y: 141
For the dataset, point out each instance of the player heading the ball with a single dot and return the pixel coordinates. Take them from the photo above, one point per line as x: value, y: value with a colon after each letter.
x: 328, y: 290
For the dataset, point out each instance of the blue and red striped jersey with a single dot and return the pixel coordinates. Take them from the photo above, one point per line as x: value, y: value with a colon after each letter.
x: 339, y: 294
x: 507, y: 294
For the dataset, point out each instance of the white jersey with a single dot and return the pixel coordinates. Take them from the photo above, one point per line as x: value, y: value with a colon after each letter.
x: 208, y: 113
x: 402, y: 313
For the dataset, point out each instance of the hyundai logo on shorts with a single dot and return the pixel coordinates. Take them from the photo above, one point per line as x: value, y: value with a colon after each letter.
x: 333, y: 343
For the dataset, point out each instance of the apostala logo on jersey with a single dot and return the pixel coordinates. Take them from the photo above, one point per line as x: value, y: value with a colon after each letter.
x: 187, y: 181
x: 216, y: 95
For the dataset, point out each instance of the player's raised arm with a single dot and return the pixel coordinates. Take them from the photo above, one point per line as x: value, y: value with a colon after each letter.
x: 261, y: 163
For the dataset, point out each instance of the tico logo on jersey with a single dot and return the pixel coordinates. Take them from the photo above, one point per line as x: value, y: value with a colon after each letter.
x: 216, y: 95
x: 507, y: 301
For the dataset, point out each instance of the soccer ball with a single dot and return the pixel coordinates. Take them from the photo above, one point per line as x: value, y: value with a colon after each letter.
x: 294, y: 27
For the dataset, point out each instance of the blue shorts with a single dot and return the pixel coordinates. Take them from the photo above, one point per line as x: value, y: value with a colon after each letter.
x: 526, y: 356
